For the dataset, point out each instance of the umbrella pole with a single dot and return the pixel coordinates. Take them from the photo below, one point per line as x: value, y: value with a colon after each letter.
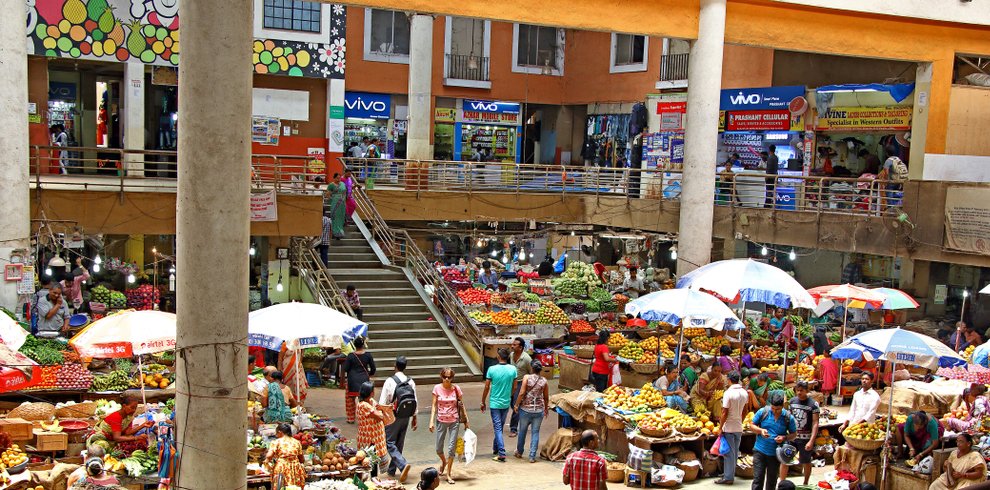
x: 845, y: 318
x: 680, y: 348
x: 890, y: 412
x: 298, y: 373
x: 144, y: 399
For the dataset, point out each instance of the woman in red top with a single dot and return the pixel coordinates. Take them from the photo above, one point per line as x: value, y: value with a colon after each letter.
x: 601, y: 368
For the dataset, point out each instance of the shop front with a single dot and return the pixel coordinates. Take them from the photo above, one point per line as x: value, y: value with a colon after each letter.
x: 367, y: 115
x: 443, y: 133
x: 491, y: 127
x: 606, y: 135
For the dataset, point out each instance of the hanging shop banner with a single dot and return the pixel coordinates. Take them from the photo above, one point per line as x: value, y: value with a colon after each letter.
x: 444, y: 115
x: 490, y: 112
x: 967, y: 219
x: 758, y: 121
x: 265, y: 130
x: 768, y: 98
x: 671, y: 115
x: 317, y: 164
x: 264, y: 206
x: 747, y: 145
x: 367, y: 105
x: 866, y: 118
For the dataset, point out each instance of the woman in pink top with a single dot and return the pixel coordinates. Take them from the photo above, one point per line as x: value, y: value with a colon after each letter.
x: 445, y: 420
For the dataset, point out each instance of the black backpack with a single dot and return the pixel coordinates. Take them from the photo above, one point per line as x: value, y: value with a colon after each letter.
x: 404, y: 398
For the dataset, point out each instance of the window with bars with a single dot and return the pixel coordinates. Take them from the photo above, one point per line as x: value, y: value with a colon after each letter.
x: 389, y: 33
x: 537, y: 46
x: 293, y: 15
x: 629, y: 49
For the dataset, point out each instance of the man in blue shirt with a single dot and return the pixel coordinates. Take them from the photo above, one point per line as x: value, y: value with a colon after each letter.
x: 773, y: 426
x: 981, y: 355
x: 488, y: 277
x: 498, y: 384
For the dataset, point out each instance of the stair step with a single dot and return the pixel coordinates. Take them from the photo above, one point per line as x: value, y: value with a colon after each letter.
x: 380, y: 316
x: 411, y: 344
x: 353, y: 256
x: 350, y: 249
x: 386, y: 309
x: 372, y: 274
x: 405, y: 325
x: 379, y: 290
x: 337, y: 264
x: 421, y: 334
x: 421, y: 359
x: 368, y: 299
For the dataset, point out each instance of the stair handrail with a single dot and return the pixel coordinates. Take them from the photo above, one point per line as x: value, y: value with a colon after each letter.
x: 402, y: 250
x: 327, y: 290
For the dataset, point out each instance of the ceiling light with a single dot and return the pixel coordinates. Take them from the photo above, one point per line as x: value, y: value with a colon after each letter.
x: 531, y: 255
x: 479, y: 242
x: 97, y: 259
x: 56, y: 261
x: 252, y: 251
x: 572, y: 232
x: 278, y: 287
x: 48, y: 271
x: 763, y: 251
x: 792, y: 255
x: 494, y: 253
x: 673, y: 253
x: 96, y: 267
x: 131, y: 279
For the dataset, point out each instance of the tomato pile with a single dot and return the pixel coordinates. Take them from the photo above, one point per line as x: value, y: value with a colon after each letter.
x: 581, y: 326
x: 474, y: 296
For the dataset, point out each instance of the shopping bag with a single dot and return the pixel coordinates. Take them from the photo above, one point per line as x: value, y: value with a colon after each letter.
x: 716, y: 449
x: 616, y: 375
x: 470, y: 446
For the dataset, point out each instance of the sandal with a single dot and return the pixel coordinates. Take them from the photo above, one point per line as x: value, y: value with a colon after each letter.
x: 450, y: 480
x: 518, y: 455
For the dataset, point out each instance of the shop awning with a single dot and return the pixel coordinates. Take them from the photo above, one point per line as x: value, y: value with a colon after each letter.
x: 898, y: 91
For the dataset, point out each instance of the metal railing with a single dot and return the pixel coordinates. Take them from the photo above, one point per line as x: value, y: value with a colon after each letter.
x: 90, y: 168
x: 403, y: 251
x: 744, y: 189
x: 312, y: 270
x: 467, y: 67
x: 674, y: 67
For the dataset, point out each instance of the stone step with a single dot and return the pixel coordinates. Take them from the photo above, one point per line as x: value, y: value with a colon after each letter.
x: 409, y: 342
x: 337, y: 257
x: 404, y: 334
x: 386, y: 308
x: 368, y: 298
x: 404, y: 325
x: 356, y: 264
x: 380, y: 316
x: 353, y: 249
x: 385, y: 360
x: 427, y: 376
x: 374, y: 274
x: 379, y: 290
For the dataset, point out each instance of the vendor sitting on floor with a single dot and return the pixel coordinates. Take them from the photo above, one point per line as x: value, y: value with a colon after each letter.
x: 976, y: 406
x: 277, y: 400
x: 116, y: 427
x: 921, y: 432
x: 670, y: 385
x: 759, y: 390
x: 702, y: 396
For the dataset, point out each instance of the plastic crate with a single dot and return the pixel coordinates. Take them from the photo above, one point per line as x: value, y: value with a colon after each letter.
x: 313, y: 378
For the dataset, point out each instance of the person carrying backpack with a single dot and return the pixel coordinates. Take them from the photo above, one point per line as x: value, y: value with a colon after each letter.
x: 399, y: 391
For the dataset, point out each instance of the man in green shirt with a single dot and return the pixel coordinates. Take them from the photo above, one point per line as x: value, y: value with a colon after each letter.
x: 524, y: 366
x: 498, y: 384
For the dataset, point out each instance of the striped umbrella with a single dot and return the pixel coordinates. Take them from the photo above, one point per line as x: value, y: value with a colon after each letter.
x: 894, y: 299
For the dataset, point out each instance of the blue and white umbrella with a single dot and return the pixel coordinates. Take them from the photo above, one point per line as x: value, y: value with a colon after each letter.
x: 694, y: 308
x: 899, y: 346
x: 746, y: 280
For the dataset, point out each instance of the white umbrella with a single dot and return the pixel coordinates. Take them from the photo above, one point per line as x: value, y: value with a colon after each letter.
x: 747, y: 280
x: 985, y: 290
x: 694, y: 308
x: 301, y: 326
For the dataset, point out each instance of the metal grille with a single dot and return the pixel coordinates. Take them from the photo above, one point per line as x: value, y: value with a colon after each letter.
x: 292, y: 15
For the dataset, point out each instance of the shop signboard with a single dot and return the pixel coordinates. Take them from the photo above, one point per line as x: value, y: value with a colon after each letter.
x: 671, y: 115
x: 747, y: 145
x: 866, y: 118
x: 62, y: 91
x: 490, y: 112
x: 491, y: 106
x: 967, y: 219
x: 767, y: 98
x: 444, y: 115
x: 785, y: 198
x: 765, y: 120
x: 367, y: 105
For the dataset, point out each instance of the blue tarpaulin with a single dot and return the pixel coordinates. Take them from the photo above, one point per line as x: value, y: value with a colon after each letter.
x: 898, y: 92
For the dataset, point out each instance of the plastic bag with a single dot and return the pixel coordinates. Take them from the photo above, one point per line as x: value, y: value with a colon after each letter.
x: 302, y: 421
x: 639, y: 459
x: 924, y: 466
x: 723, y: 447
x: 558, y: 266
x: 667, y: 473
x: 616, y: 375
x: 716, y: 449
x: 470, y: 446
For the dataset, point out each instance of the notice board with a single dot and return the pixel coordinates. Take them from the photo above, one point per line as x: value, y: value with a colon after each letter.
x: 967, y: 220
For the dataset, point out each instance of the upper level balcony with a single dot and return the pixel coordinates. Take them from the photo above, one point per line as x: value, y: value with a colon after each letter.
x: 673, y: 71
x: 467, y: 71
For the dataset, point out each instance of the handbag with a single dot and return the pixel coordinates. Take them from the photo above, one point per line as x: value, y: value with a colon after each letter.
x: 388, y: 414
x: 461, y: 411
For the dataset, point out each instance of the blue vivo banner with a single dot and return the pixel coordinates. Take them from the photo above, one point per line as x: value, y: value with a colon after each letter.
x: 491, y: 106
x: 367, y: 105
x: 746, y: 99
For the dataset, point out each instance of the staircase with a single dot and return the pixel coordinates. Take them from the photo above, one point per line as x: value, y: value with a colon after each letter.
x: 400, y: 321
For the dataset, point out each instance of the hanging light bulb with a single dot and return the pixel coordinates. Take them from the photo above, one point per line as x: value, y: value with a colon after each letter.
x: 522, y: 252
x: 97, y: 259
x: 505, y: 259
x: 252, y: 251
x: 763, y: 251
x: 154, y: 250
x: 48, y: 271
x: 57, y: 261
x: 479, y: 242
x: 171, y: 270
x: 96, y: 267
x: 131, y: 279
x: 965, y: 293
x: 531, y: 255
x: 512, y: 242
x: 792, y: 255
x: 278, y: 287
x: 494, y: 253
x: 673, y: 253
x: 572, y: 232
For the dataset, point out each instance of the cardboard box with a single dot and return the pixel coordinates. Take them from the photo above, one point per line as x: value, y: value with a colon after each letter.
x: 17, y: 429
x: 50, y: 441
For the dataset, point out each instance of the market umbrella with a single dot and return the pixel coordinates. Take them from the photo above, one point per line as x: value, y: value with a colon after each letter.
x: 11, y: 332
x: 898, y: 346
x: 894, y: 299
x: 17, y: 371
x: 300, y: 326
x: 127, y: 334
x: 684, y: 305
x: 748, y: 280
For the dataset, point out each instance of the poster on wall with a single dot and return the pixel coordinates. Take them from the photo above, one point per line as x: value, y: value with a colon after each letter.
x: 264, y: 206
x: 317, y: 165
x: 967, y: 219
x: 265, y: 130
x: 26, y: 284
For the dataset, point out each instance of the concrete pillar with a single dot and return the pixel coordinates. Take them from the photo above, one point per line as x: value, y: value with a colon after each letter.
x: 420, y: 119
x: 133, y: 117
x: 919, y: 120
x: 213, y: 229
x: 701, y: 138
x: 15, y: 220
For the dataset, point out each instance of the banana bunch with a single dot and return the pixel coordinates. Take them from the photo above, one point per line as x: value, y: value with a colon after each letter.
x: 51, y: 426
x: 112, y: 464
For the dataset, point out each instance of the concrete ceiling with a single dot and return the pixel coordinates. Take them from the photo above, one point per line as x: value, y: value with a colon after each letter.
x: 975, y: 12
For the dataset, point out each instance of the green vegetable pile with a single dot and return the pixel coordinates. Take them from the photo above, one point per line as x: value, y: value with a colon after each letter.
x: 569, y: 287
x: 599, y: 294
x: 100, y: 294
x: 757, y: 333
x: 777, y: 385
x: 46, y: 352
x: 115, y: 381
x: 521, y: 286
x: 531, y: 297
x: 141, y: 462
x: 125, y: 365
x: 592, y: 306
x: 118, y: 300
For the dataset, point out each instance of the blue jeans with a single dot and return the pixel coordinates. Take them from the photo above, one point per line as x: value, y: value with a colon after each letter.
x: 498, y: 423
x: 526, y: 420
x: 514, y: 418
x: 729, y: 460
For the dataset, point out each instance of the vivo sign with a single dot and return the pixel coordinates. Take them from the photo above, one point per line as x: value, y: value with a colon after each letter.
x: 759, y: 98
x: 367, y: 105
x: 491, y: 106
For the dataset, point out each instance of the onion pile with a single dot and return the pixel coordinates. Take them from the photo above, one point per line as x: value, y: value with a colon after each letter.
x: 74, y: 377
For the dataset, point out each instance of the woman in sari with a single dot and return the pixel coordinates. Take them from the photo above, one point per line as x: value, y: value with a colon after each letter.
x: 349, y: 203
x: 285, y: 456
x: 920, y: 432
x: 117, y: 427
x: 964, y: 467
x: 702, y: 395
x: 290, y: 367
x: 371, y: 421
x: 977, y: 406
x: 670, y: 386
x: 277, y: 400
x: 338, y: 206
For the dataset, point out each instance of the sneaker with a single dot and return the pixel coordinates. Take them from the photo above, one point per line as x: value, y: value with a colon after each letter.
x: 499, y: 459
x: 723, y: 481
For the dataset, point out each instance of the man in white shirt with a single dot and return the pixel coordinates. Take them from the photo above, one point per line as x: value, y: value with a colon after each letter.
x: 864, y: 404
x: 633, y: 285
x: 395, y: 393
x: 734, y: 401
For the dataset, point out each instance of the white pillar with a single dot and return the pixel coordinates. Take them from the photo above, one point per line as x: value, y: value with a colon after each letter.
x: 694, y: 247
x: 420, y: 87
x: 212, y: 228
x: 919, y: 120
x: 134, y: 117
x: 15, y: 220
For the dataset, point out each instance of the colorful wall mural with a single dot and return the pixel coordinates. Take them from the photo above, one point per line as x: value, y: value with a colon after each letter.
x: 147, y: 31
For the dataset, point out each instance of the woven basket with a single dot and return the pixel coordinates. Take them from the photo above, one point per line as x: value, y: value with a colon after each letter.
x: 659, y: 434
x: 687, y: 431
x: 77, y: 411
x: 33, y: 411
x: 665, y: 484
x: 744, y: 471
x: 584, y: 351
x: 616, y: 473
x: 615, y: 423
x: 645, y: 368
x: 864, y: 444
x: 691, y: 471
